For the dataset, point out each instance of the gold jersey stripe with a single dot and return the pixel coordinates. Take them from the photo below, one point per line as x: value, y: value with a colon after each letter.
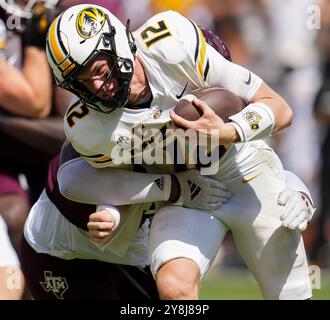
x: 100, y: 160
x: 202, y: 52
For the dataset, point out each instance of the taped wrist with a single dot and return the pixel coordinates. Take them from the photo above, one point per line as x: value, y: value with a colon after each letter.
x: 112, y: 211
x: 256, y: 121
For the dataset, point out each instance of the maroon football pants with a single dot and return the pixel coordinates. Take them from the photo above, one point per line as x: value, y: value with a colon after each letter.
x: 51, y: 278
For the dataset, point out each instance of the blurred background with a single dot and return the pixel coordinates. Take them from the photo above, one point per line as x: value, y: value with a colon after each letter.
x: 287, y: 43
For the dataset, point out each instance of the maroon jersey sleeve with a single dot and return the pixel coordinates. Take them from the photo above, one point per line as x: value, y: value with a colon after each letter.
x: 76, y: 213
x: 216, y: 42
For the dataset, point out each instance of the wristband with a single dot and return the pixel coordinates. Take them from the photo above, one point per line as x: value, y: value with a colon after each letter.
x: 256, y: 121
x: 112, y: 211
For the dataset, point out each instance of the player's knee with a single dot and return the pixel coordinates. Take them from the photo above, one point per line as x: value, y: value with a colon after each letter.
x: 170, y: 287
x: 178, y: 281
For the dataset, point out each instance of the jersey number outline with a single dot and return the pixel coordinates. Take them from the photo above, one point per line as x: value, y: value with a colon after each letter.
x: 151, y: 35
x: 76, y: 114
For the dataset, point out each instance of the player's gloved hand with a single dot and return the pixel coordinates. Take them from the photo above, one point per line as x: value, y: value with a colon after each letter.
x: 202, y: 192
x: 37, y: 26
x: 3, y: 39
x: 298, y: 209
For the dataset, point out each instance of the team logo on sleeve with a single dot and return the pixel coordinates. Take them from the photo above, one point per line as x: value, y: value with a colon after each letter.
x: 156, y: 113
x: 253, y: 118
x: 124, y: 142
x: 160, y: 183
x: 89, y: 22
x: 57, y: 285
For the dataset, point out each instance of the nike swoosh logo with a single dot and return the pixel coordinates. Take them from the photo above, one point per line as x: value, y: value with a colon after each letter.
x: 248, y: 80
x: 250, y: 179
x: 184, y: 89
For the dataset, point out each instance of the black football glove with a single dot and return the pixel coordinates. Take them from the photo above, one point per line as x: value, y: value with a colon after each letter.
x: 37, y: 26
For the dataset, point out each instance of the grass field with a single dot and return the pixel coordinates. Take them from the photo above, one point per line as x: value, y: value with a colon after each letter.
x: 238, y: 284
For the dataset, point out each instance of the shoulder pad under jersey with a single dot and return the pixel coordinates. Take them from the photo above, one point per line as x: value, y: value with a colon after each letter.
x: 172, y: 38
x: 167, y: 35
x: 94, y: 134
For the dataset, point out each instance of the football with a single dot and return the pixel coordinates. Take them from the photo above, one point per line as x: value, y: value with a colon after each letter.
x: 223, y: 102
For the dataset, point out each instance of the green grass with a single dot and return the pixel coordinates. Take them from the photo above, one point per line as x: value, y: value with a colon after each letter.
x: 232, y: 284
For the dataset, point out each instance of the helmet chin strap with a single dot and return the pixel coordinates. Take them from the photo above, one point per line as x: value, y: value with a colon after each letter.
x: 130, y: 38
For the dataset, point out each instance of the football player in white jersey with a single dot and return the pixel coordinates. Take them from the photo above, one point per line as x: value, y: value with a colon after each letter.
x: 125, y: 79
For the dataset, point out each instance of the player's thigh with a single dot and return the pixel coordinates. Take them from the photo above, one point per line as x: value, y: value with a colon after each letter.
x: 52, y: 278
x: 277, y: 258
x: 178, y: 232
x: 274, y: 254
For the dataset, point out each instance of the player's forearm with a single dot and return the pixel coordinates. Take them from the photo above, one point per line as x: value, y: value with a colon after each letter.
x: 15, y: 93
x: 280, y: 108
x: 46, y: 135
x: 37, y: 74
x: 80, y: 182
x: 28, y: 92
x: 266, y: 114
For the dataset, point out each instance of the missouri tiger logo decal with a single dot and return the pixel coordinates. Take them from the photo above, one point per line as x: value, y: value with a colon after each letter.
x: 89, y: 22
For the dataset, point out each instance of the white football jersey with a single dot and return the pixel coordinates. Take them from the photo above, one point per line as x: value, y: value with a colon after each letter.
x: 177, y: 60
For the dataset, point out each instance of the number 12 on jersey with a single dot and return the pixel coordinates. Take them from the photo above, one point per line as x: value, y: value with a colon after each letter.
x: 152, y: 34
